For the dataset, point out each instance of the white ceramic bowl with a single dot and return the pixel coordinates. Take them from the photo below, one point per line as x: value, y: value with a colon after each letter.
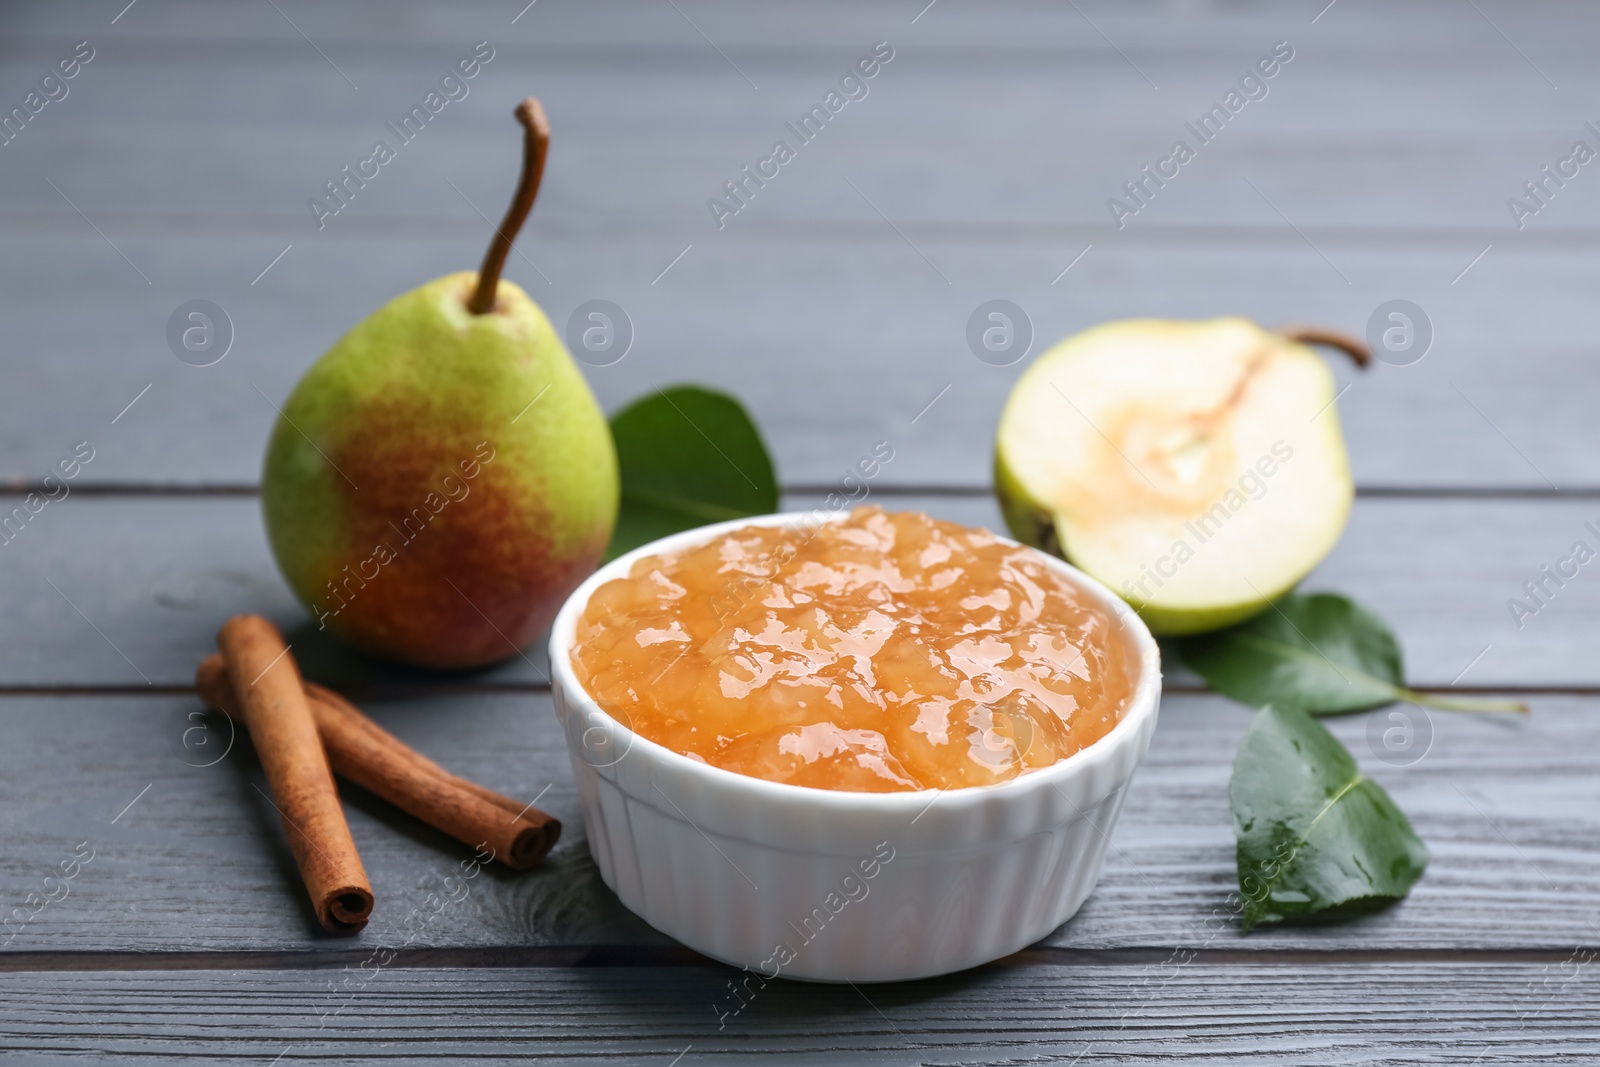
x: 833, y: 886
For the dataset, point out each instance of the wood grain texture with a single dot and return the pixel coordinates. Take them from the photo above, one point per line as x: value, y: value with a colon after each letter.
x: 953, y: 135
x: 1055, y: 102
x: 125, y: 591
x: 835, y: 305
x: 1155, y: 28
x: 833, y: 344
x: 197, y: 864
x: 1407, y: 1013
x: 205, y: 816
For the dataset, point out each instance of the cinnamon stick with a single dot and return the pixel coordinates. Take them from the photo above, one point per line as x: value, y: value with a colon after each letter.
x: 272, y: 701
x: 326, y: 702
x: 519, y: 835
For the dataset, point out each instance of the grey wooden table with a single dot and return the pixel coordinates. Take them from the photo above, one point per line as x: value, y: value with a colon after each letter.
x: 178, y: 166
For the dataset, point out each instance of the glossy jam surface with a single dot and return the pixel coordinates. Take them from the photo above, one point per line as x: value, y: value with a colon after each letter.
x: 887, y: 651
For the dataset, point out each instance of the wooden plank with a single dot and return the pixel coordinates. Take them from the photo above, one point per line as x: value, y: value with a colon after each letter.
x: 993, y: 149
x: 125, y: 591
x: 198, y: 862
x: 1398, y: 1013
x: 832, y: 346
x: 1436, y: 25
x: 1019, y: 136
x: 190, y: 858
x: 685, y: 111
x: 1030, y: 117
x: 1395, y: 178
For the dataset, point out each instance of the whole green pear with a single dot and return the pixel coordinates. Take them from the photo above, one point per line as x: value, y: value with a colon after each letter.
x: 442, y: 478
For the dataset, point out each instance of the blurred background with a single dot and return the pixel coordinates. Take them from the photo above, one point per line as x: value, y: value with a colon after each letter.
x: 984, y: 159
x: 978, y: 165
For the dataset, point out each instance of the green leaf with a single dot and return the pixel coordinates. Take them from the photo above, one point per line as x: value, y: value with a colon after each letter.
x: 1314, y: 834
x: 1320, y: 653
x: 689, y: 456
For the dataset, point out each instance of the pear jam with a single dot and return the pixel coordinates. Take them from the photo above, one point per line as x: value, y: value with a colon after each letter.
x: 887, y: 651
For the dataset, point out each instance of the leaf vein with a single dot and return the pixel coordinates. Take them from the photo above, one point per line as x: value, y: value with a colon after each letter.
x: 1305, y: 838
x: 1300, y: 655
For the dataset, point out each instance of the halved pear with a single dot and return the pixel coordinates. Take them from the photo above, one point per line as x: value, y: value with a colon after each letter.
x: 1196, y: 468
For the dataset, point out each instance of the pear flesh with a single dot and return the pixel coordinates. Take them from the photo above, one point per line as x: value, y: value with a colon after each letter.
x: 1196, y: 468
x: 439, y: 481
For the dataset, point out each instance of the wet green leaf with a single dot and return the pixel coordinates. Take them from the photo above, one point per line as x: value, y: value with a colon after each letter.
x: 1314, y: 834
x: 689, y: 457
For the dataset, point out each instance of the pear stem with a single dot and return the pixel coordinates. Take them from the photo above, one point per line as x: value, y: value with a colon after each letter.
x: 1350, y: 345
x: 536, y: 143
